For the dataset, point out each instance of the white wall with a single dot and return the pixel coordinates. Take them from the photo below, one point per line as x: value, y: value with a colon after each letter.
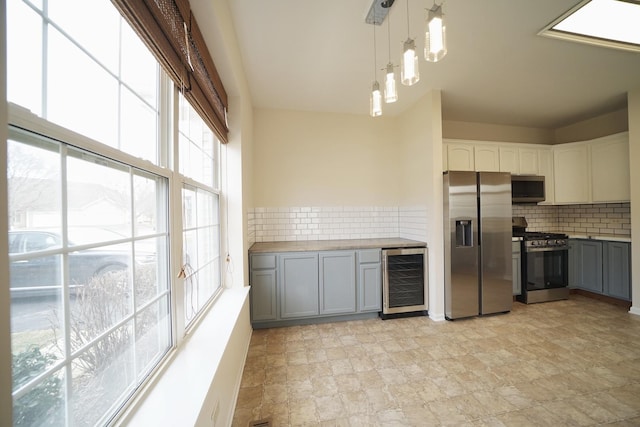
x: 324, y: 159
x: 603, y: 125
x: 421, y: 184
x: 493, y: 132
x: 633, y: 104
x: 228, y: 350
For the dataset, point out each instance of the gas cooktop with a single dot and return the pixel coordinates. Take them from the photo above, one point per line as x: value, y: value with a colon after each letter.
x: 538, y: 235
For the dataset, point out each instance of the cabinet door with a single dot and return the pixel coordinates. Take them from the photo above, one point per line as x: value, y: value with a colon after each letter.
x: 298, y: 285
x: 617, y: 270
x: 370, y: 287
x: 516, y: 268
x: 545, y: 168
x: 460, y: 157
x: 588, y: 273
x: 486, y: 158
x: 509, y: 160
x: 571, y: 173
x: 574, y: 248
x: 263, y: 295
x: 528, y: 161
x: 337, y: 282
x: 610, y: 180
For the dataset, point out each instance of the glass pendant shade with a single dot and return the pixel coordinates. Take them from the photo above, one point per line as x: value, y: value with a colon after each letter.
x: 409, y: 72
x: 435, y: 41
x: 390, y: 92
x: 375, y: 101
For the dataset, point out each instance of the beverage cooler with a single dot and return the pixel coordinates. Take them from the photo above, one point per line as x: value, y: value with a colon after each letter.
x: 404, y: 282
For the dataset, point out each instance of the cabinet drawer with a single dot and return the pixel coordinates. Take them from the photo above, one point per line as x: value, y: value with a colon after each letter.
x: 263, y: 261
x: 369, y: 255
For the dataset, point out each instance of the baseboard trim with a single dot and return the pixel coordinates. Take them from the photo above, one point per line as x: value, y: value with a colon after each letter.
x: 610, y: 300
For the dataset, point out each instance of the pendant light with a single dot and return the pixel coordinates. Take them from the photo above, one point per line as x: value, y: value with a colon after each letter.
x: 409, y: 71
x: 375, y: 99
x: 435, y: 39
x: 390, y: 92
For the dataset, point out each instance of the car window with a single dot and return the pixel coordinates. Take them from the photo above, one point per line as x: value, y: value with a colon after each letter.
x: 38, y: 241
x: 14, y: 243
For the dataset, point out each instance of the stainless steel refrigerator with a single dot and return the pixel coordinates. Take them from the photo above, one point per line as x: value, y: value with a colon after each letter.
x: 477, y: 230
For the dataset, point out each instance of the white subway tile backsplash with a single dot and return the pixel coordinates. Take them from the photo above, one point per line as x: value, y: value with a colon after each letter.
x: 598, y: 219
x: 266, y: 224
x: 328, y: 222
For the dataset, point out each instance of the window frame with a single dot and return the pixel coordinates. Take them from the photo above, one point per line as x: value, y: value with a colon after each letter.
x: 168, y: 168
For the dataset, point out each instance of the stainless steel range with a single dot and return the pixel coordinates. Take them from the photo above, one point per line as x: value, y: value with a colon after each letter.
x: 545, y: 264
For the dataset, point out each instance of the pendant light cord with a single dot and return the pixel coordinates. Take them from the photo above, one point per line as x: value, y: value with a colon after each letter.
x: 389, y: 33
x: 408, y: 31
x: 375, y: 58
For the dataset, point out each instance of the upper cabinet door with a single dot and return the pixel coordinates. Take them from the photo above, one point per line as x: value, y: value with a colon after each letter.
x: 509, y: 160
x: 545, y: 168
x: 571, y: 173
x: 610, y: 169
x: 528, y: 161
x: 487, y: 158
x: 460, y: 157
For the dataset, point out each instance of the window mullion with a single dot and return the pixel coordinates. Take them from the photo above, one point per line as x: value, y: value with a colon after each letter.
x: 45, y: 57
x: 175, y: 215
x: 66, y: 306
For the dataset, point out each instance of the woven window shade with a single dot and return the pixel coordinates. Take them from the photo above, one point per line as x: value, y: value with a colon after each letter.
x: 172, y: 34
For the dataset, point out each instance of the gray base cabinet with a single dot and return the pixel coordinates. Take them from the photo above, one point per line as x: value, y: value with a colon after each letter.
x: 263, y: 287
x: 298, y: 285
x: 602, y: 267
x: 617, y: 269
x: 288, y: 288
x: 516, y: 267
x: 337, y: 282
x: 587, y: 269
x: 369, y: 280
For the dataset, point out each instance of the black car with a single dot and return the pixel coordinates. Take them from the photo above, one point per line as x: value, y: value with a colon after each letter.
x: 42, y: 275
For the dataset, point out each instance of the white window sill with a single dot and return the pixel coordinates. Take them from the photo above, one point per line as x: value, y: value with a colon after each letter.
x: 185, y: 394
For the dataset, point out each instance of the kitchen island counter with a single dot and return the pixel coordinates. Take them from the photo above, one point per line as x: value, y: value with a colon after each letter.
x: 333, y: 245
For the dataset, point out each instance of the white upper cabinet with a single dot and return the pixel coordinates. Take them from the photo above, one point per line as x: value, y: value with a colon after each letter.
x: 545, y: 168
x: 486, y: 158
x: 509, y: 160
x: 460, y: 157
x: 528, y: 161
x: 571, y: 173
x: 595, y: 171
x: 610, y: 180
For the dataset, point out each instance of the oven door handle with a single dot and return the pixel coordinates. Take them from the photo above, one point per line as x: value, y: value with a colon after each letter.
x: 548, y: 249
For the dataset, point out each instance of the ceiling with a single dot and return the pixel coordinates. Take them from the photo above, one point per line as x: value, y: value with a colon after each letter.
x: 318, y: 56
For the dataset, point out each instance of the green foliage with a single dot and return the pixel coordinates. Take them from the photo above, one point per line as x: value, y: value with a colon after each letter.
x: 38, y: 407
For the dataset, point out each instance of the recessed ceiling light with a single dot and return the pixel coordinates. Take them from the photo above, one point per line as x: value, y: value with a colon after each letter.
x: 609, y: 23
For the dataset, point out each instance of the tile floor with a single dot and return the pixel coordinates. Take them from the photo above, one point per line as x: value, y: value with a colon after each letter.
x: 573, y: 363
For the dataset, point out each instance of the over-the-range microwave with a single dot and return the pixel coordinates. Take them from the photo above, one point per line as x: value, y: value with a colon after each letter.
x: 527, y: 189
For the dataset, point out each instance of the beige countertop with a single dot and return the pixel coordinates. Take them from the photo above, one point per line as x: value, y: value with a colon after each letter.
x: 332, y: 245
x: 609, y: 237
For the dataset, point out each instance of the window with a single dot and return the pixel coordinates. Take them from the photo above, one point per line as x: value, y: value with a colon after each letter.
x: 91, y: 244
x: 200, y: 210
x: 89, y: 284
x: 94, y: 76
